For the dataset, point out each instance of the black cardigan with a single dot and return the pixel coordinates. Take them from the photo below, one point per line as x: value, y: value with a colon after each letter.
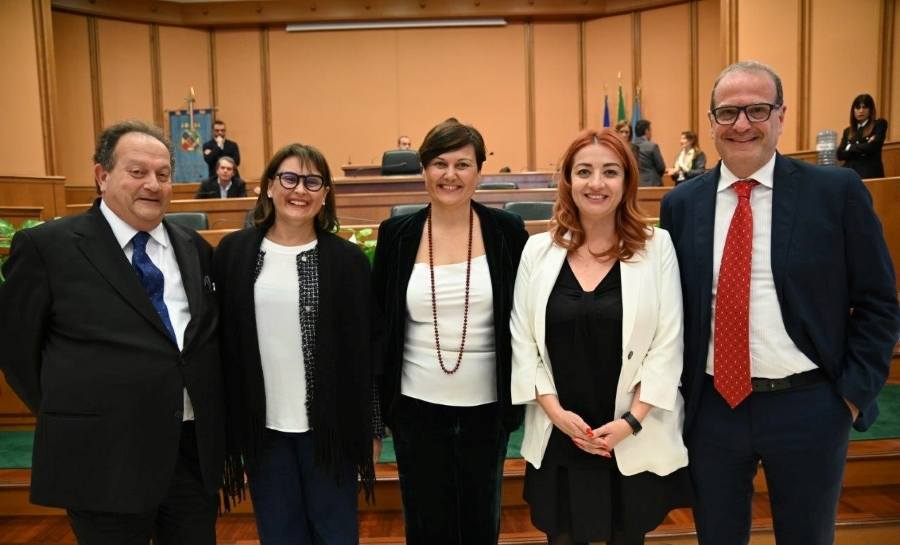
x: 343, y: 429
x: 504, y: 238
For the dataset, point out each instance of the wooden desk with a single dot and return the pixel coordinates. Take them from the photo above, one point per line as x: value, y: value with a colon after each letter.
x: 45, y: 192
x: 361, y: 170
x: 87, y: 194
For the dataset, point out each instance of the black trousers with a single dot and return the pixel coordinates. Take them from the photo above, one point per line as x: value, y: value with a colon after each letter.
x: 450, y: 462
x: 186, y: 516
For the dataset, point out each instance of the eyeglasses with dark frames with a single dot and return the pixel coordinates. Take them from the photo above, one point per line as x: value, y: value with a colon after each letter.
x: 289, y: 180
x: 756, y: 113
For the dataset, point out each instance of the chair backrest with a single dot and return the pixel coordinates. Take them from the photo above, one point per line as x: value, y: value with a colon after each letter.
x: 403, y: 209
x: 197, y: 221
x: 531, y: 210
x: 497, y: 185
x: 248, y: 219
x: 553, y: 185
x: 398, y: 162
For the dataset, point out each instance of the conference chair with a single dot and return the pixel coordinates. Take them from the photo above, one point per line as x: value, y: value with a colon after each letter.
x: 197, y: 221
x: 497, y: 185
x: 400, y: 162
x: 531, y: 210
x: 248, y: 219
x: 553, y: 185
x: 403, y: 209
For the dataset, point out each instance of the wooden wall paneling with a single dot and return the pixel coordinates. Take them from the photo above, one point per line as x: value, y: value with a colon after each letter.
x: 710, y: 62
x: 763, y: 39
x: 607, y: 47
x: 22, y: 139
x: 125, y: 61
x: 886, y: 200
x: 474, y: 74
x: 803, y: 106
x: 530, y: 140
x: 886, y: 71
x: 75, y: 113
x: 46, y: 192
x: 96, y: 79
x: 843, y: 34
x: 184, y: 64
x: 240, y: 97
x: 666, y: 76
x: 156, y: 76
x: 556, y: 91
x: 729, y: 45
x: 43, y: 29
x: 894, y: 69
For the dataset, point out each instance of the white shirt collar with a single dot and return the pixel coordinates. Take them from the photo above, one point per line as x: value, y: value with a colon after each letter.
x: 124, y: 232
x: 863, y: 124
x: 765, y: 175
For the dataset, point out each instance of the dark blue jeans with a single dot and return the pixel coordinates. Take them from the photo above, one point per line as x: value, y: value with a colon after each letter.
x: 450, y: 461
x: 295, y: 503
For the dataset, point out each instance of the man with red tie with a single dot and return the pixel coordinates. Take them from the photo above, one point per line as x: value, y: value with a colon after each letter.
x: 790, y: 315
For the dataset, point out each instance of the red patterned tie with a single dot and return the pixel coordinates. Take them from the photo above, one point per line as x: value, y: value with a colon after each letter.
x: 732, y: 332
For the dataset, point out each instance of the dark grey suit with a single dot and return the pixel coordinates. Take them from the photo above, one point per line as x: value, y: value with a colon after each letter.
x: 650, y: 162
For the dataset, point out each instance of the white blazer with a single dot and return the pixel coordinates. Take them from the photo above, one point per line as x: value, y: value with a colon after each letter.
x: 652, y: 351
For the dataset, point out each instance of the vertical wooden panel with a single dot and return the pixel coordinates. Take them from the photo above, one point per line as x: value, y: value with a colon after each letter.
x: 607, y: 53
x: 710, y: 63
x: 666, y: 75
x: 349, y: 111
x: 556, y: 85
x: 474, y: 74
x: 845, y: 43
x: 75, y: 115
x: 239, y: 95
x: 765, y: 39
x: 894, y: 114
x: 184, y: 63
x: 124, y: 57
x: 43, y: 28
x: 21, y: 139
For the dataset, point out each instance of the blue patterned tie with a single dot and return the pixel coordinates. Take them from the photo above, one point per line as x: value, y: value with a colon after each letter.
x: 151, y: 278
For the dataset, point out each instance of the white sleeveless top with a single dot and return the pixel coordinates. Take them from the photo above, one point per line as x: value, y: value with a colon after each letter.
x: 475, y: 382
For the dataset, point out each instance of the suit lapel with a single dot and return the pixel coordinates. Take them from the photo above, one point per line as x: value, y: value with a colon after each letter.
x: 189, y: 267
x: 100, y: 247
x: 785, y: 199
x: 704, y: 222
x: 631, y: 274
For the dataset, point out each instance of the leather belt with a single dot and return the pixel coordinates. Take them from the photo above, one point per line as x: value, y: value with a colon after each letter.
x: 799, y: 380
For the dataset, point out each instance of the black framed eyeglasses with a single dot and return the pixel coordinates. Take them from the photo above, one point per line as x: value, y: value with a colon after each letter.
x: 289, y: 180
x: 756, y: 113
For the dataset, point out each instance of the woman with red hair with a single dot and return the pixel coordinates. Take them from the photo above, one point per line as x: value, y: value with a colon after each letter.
x: 597, y: 357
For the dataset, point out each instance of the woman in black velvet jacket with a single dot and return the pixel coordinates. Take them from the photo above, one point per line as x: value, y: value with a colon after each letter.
x: 450, y: 446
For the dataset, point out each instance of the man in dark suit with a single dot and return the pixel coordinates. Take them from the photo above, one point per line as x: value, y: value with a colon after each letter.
x: 224, y: 185
x: 218, y: 147
x: 650, y: 161
x: 108, y: 324
x: 791, y: 315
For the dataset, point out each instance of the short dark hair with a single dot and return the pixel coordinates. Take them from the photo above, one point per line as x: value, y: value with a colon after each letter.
x: 640, y: 128
x: 452, y: 135
x: 105, y: 152
x: 218, y: 122
x: 749, y: 66
x: 310, y: 157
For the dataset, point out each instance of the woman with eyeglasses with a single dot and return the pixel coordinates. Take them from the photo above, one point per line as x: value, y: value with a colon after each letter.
x: 443, y: 279
x: 691, y: 161
x: 861, y: 144
x: 295, y: 326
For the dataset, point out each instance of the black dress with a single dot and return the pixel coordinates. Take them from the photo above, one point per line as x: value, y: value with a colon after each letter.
x: 575, y: 492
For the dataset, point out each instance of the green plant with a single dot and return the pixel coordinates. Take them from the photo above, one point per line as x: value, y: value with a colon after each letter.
x: 7, y: 230
x: 360, y: 237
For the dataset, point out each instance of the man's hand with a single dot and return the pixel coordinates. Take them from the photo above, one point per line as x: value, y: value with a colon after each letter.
x: 853, y: 409
x: 220, y: 141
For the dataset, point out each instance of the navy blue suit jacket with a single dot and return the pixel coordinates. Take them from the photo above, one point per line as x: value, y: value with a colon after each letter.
x: 828, y: 257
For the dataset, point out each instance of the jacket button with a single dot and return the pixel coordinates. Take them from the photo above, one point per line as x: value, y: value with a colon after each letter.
x: 180, y: 360
x: 179, y: 415
x: 630, y: 353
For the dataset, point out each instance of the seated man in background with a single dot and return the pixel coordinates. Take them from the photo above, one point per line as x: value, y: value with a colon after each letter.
x: 224, y: 184
x: 404, y: 142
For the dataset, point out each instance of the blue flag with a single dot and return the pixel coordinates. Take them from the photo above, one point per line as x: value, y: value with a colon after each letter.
x: 635, y: 113
x: 606, y: 110
x: 187, y: 140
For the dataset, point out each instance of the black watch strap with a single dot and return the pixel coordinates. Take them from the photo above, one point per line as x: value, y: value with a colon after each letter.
x: 633, y: 422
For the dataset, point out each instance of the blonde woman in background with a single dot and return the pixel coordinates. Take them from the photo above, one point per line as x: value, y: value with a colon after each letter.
x: 691, y: 162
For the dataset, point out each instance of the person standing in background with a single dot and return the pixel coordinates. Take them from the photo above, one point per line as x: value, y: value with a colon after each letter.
x: 649, y: 158
x: 691, y: 161
x: 218, y: 147
x: 861, y: 143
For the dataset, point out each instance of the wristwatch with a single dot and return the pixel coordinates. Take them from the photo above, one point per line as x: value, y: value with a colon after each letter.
x: 633, y: 422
